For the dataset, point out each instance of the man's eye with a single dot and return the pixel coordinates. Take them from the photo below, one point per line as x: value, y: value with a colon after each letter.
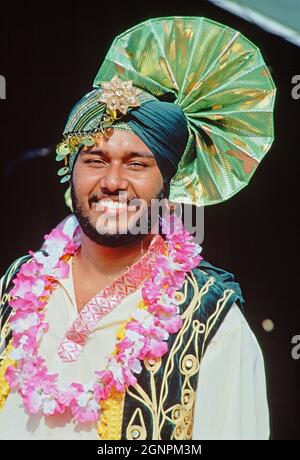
x: 95, y: 161
x: 135, y: 163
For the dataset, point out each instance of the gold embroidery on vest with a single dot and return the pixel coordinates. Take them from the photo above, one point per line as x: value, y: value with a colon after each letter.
x: 4, y: 325
x: 5, y: 298
x: 4, y: 332
x: 152, y: 365
x: 140, y: 395
x: 136, y: 429
x: 189, y: 365
x: 180, y: 415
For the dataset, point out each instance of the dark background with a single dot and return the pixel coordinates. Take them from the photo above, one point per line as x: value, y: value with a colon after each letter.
x: 49, y: 56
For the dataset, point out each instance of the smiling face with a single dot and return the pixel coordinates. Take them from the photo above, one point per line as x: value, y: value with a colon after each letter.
x: 106, y: 178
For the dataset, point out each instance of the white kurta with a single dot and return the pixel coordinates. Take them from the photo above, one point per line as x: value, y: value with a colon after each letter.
x: 231, y: 400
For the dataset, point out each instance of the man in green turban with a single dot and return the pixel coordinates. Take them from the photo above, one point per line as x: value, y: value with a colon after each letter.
x: 117, y: 328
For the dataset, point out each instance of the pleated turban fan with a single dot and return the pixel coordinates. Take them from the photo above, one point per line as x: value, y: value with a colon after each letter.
x: 196, y: 92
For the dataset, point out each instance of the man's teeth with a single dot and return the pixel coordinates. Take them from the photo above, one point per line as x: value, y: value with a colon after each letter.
x: 112, y: 204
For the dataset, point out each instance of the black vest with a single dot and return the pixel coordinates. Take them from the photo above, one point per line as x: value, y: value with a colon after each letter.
x: 161, y: 404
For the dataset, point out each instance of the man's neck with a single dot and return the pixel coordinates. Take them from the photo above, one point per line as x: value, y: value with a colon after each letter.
x: 105, y: 260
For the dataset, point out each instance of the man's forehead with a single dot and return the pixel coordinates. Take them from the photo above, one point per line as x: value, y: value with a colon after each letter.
x: 120, y: 142
x: 102, y: 150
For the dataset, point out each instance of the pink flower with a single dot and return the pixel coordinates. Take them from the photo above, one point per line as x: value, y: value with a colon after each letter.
x: 150, y: 291
x: 36, y: 400
x: 28, y: 339
x: 171, y: 274
x: 85, y: 405
x: 23, y: 285
x: 21, y: 376
x: 21, y: 321
x: 56, y: 237
x: 13, y: 376
x: 30, y: 269
x: 40, y: 393
x: 28, y: 304
x: 61, y: 269
x: 104, y: 384
x: 65, y: 397
x: 123, y: 376
x: 164, y: 304
x: 57, y: 241
x: 71, y: 247
x: 154, y: 349
x: 172, y: 324
x: 154, y: 335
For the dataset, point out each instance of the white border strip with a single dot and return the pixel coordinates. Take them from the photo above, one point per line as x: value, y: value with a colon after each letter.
x: 266, y: 23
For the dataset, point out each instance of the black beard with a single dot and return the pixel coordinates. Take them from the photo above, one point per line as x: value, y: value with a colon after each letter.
x: 116, y: 239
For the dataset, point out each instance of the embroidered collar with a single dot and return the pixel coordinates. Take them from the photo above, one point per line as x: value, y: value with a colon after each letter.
x: 106, y: 300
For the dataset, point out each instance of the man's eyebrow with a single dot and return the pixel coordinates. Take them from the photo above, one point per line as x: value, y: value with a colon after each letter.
x: 128, y: 156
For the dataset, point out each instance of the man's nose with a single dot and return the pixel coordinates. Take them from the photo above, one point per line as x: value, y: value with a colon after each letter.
x: 114, y: 179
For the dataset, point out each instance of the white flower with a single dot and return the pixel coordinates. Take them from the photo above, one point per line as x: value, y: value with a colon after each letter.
x: 116, y: 370
x: 48, y: 262
x: 23, y: 324
x: 55, y: 247
x: 83, y: 399
x: 167, y: 301
x: 133, y: 336
x: 136, y: 366
x: 49, y: 404
x: 174, y: 266
x: 144, y: 317
x: 38, y: 287
x: 19, y: 352
x: 137, y: 340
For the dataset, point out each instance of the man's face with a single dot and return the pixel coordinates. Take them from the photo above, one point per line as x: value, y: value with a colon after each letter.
x: 106, y: 178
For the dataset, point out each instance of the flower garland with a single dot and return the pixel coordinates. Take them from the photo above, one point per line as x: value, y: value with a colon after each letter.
x: 142, y: 337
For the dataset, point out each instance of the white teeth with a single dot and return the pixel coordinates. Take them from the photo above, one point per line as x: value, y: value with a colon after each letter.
x: 112, y: 204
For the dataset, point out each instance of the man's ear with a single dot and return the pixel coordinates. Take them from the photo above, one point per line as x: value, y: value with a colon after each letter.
x: 68, y: 199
